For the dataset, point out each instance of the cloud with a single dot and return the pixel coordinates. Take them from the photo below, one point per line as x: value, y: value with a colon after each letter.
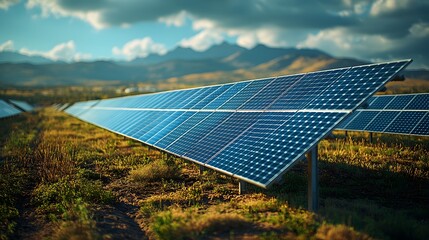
x: 203, y: 40
x: 139, y: 48
x: 7, y: 46
x: 176, y: 20
x: 397, y: 23
x: 61, y: 52
x: 5, y: 4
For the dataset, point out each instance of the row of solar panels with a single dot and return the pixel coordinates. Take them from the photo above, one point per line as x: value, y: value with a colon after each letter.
x: 340, y: 89
x: 12, y: 107
x: 253, y: 130
x: 401, y: 114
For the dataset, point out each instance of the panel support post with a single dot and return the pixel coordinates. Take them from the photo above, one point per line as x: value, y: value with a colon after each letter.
x: 313, y: 180
x: 242, y: 187
x: 202, y: 169
x: 370, y: 137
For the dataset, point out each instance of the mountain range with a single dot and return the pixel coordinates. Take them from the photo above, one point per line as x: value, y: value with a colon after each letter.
x: 180, y: 67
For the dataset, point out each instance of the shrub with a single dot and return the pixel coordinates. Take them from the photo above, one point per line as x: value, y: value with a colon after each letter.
x: 155, y: 171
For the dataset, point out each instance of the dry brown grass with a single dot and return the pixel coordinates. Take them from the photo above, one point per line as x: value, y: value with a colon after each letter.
x: 154, y: 171
x: 339, y: 232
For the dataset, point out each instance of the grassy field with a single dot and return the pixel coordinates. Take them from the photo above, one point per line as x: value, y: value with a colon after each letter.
x: 61, y: 178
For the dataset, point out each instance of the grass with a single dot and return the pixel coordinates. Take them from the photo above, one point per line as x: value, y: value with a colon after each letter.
x: 59, y: 175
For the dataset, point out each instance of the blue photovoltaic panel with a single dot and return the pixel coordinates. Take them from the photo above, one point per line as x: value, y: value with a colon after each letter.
x: 170, y: 127
x: 400, y: 102
x: 220, y: 136
x: 7, y: 110
x: 168, y: 118
x: 422, y: 127
x: 253, y: 130
x: 211, y: 96
x: 381, y: 121
x: 248, y: 92
x: 355, y: 85
x: 345, y: 122
x: 185, y: 126
x: 306, y: 89
x: 262, y: 159
x: 188, y: 140
x: 380, y: 102
x: 419, y: 102
x: 225, y: 96
x: 362, y: 120
x: 396, y: 114
x: 401, y: 124
x: 266, y: 96
x: 22, y: 105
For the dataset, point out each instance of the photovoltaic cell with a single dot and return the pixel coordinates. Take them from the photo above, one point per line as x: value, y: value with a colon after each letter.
x: 248, y: 92
x: 355, y: 85
x: 188, y: 139
x: 225, y: 96
x: 380, y: 102
x: 422, y: 127
x: 306, y: 89
x: 381, y: 121
x: 220, y: 136
x: 400, y: 102
x: 266, y: 96
x: 22, y: 105
x: 362, y: 120
x: 264, y: 159
x: 345, y: 122
x: 401, y: 124
x: 419, y: 102
x: 7, y: 110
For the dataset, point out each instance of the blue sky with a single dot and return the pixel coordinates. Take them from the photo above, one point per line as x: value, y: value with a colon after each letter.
x: 75, y: 30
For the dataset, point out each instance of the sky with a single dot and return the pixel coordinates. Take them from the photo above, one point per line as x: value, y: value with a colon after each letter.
x: 85, y: 30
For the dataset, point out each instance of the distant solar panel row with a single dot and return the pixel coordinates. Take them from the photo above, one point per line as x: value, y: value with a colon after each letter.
x: 401, y: 114
x: 13, y: 107
x: 253, y: 130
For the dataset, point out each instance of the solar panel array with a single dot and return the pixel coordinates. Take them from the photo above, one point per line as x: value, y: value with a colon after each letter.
x: 7, y: 110
x: 252, y: 130
x: 22, y: 105
x: 400, y: 114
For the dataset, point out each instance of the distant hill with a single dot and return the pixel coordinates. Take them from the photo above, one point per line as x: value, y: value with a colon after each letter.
x: 181, y: 67
x: 14, y: 57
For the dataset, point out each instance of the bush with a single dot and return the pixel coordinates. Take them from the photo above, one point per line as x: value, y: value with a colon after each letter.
x: 155, y: 171
x: 339, y: 232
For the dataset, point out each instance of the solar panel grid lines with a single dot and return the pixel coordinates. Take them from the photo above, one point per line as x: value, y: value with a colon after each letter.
x: 267, y: 96
x: 225, y: 96
x: 22, y: 105
x: 421, y: 127
x: 7, y: 110
x: 253, y: 130
x: 400, y: 102
x: 401, y: 123
x: 381, y: 102
x: 249, y: 91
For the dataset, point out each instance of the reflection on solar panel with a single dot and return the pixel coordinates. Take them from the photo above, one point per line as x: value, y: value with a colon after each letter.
x: 252, y: 130
x: 401, y: 114
x: 7, y: 110
x: 22, y: 105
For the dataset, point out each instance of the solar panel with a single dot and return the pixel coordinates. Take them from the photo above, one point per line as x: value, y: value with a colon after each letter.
x: 22, y: 105
x: 253, y: 130
x: 7, y: 110
x: 400, y: 114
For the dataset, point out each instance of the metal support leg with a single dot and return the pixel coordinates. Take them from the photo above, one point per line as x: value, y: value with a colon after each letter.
x: 242, y: 187
x: 370, y: 137
x: 313, y: 181
x: 202, y: 169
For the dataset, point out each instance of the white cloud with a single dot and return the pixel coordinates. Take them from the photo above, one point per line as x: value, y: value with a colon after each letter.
x: 139, y: 48
x: 203, y: 40
x: 420, y: 30
x: 385, y: 6
x: 344, y: 43
x: 5, y: 4
x: 61, y: 52
x: 177, y: 20
x: 7, y: 46
x: 268, y: 36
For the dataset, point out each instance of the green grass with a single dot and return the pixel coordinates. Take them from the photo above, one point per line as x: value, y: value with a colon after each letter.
x: 65, y: 170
